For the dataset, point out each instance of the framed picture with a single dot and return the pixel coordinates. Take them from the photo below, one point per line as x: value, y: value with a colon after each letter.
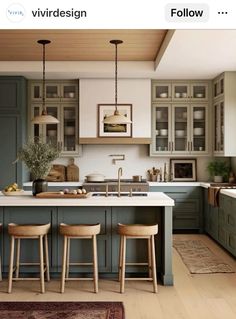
x: 183, y: 170
x: 114, y: 130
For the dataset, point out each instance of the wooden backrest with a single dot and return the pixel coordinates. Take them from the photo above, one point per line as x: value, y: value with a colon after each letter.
x: 137, y: 230
x: 79, y: 230
x: 28, y: 230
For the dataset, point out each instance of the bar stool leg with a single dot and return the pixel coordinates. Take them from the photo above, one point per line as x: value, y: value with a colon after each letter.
x: 95, y: 264
x: 149, y: 258
x: 63, y: 273
x: 17, y: 257
x: 68, y: 258
x: 154, y: 275
x: 46, y: 257
x: 0, y: 268
x: 11, y: 264
x: 41, y: 264
x: 120, y: 258
x: 122, y: 283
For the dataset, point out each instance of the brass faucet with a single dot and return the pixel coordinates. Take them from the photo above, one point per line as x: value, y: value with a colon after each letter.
x: 118, y: 185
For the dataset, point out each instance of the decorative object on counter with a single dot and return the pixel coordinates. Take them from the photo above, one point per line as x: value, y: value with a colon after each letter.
x: 38, y: 156
x: 56, y: 174
x: 117, y: 117
x: 76, y: 193
x: 219, y: 170
x: 153, y: 174
x: 66, y: 310
x: 183, y: 170
x: 199, y: 259
x: 44, y: 118
x: 12, y: 190
x: 72, y: 171
x: 95, y: 177
x: 121, y: 158
x: 112, y: 129
x: 232, y: 178
x: 165, y: 174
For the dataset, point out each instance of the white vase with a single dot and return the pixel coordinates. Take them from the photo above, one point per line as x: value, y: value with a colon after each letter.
x: 218, y: 179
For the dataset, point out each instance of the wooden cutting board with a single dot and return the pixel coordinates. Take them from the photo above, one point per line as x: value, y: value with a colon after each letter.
x: 58, y: 195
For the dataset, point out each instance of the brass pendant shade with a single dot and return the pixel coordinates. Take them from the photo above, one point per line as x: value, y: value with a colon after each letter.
x: 116, y: 118
x: 44, y: 118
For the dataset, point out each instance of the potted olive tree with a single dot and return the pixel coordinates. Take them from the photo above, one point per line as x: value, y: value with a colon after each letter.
x: 38, y: 156
x: 218, y: 170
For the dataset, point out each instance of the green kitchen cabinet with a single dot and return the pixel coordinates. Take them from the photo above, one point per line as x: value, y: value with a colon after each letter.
x: 136, y: 251
x: 29, y: 248
x: 211, y: 217
x: 81, y: 249
x: 227, y: 223
x: 188, y: 210
x: 12, y: 128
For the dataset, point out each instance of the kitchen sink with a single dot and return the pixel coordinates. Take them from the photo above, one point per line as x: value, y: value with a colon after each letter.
x: 138, y: 194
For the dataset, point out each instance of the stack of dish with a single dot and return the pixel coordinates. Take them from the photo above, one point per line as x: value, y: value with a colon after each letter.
x: 198, y: 131
x: 198, y: 115
x: 179, y: 133
x: 163, y: 132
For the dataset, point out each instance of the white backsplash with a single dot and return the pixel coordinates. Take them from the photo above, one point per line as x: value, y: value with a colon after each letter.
x: 95, y: 158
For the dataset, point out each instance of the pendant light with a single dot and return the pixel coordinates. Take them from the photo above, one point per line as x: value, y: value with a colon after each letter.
x: 116, y: 118
x: 44, y: 118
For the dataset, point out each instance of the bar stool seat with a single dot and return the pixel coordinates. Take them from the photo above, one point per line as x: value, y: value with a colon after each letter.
x: 18, y: 232
x: 84, y: 231
x: 0, y: 258
x: 137, y: 231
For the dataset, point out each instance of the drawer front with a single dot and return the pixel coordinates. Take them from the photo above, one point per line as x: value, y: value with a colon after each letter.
x: 185, y: 221
x: 186, y: 214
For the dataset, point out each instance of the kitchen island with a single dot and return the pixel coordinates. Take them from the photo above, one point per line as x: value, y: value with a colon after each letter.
x: 108, y: 211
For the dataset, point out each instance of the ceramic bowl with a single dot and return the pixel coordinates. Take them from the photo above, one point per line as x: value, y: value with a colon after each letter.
x: 198, y: 115
x: 163, y: 132
x: 179, y: 133
x: 198, y: 131
x: 163, y: 95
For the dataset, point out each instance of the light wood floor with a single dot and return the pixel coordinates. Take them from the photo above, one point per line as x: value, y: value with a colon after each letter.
x: 205, y: 296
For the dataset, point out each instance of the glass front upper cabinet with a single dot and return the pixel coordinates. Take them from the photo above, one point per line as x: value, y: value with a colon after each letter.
x: 180, y: 91
x: 52, y: 130
x: 161, y: 127
x: 161, y: 92
x: 69, y: 129
x: 219, y: 127
x: 180, y: 133
x: 199, y: 91
x: 199, y: 129
x: 218, y: 87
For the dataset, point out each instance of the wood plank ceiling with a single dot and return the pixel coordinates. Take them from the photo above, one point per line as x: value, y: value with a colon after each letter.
x: 80, y: 45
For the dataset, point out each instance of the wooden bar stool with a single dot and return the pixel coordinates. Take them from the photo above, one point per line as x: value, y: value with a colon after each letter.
x: 79, y: 232
x: 18, y: 232
x: 0, y: 258
x: 137, y: 232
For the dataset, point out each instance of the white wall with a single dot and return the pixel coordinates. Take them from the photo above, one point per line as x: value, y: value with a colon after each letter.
x: 130, y: 91
x: 95, y: 158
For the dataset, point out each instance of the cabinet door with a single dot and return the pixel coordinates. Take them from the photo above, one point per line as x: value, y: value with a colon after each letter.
x: 9, y: 142
x: 29, y: 248
x: 219, y: 127
x: 180, y: 133
x: 36, y: 91
x: 81, y: 249
x: 218, y: 87
x: 52, y: 131
x: 69, y: 92
x: 161, y: 129
x: 199, y: 129
x: 199, y: 91
x: 213, y: 221
x: 161, y: 91
x: 180, y: 92
x: 52, y: 92
x: 69, y: 127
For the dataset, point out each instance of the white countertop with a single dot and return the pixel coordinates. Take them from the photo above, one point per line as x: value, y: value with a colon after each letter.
x: 228, y: 192
x: 202, y: 184
x: 26, y: 199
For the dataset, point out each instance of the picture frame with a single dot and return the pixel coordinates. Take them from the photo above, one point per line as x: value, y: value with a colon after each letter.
x: 114, y: 130
x: 183, y: 170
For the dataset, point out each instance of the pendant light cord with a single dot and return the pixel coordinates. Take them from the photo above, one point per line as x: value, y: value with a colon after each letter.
x: 44, y: 109
x: 116, y: 58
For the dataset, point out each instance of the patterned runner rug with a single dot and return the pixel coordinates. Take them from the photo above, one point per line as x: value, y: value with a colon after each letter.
x: 199, y: 259
x: 62, y: 310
